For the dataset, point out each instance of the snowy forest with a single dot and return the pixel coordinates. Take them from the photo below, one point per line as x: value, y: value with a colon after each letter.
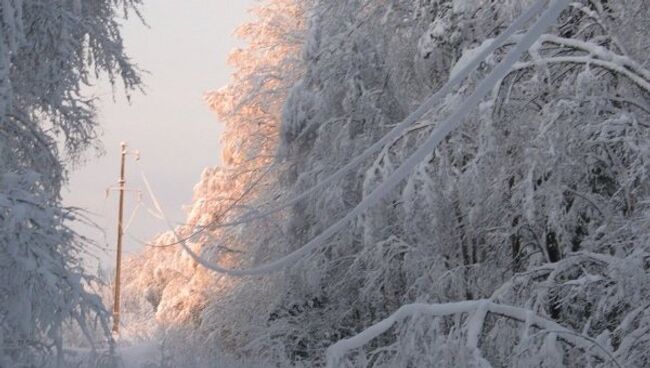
x: 404, y: 183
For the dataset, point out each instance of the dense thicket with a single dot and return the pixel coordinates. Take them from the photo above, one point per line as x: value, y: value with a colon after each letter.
x: 534, y: 212
x: 49, y: 51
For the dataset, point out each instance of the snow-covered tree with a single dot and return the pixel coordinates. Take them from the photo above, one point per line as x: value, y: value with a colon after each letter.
x: 521, y: 240
x: 49, y: 52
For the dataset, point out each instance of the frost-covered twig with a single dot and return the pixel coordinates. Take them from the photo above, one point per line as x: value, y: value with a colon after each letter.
x: 588, y: 60
x: 610, y: 356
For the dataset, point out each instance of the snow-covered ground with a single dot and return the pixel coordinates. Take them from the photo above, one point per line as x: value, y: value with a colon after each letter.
x: 145, y: 354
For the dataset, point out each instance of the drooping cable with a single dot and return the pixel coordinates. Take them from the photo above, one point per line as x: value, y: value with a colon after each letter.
x: 547, y: 18
x: 393, y: 134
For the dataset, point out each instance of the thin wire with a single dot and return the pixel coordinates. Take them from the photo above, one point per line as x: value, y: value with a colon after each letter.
x: 132, y: 216
x: 202, y: 228
x: 105, y: 220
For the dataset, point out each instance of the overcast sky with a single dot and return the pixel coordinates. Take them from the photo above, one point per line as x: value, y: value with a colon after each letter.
x: 185, y: 50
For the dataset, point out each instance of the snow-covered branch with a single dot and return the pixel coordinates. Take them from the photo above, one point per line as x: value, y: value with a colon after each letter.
x: 477, y: 310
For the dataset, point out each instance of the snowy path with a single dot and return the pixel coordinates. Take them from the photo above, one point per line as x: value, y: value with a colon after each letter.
x: 138, y: 355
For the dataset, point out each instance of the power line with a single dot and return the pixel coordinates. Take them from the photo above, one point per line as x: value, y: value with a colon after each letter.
x: 428, y: 147
x: 393, y: 134
x: 211, y: 224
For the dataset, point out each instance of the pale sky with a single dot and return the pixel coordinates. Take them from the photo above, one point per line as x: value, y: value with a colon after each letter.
x: 185, y: 51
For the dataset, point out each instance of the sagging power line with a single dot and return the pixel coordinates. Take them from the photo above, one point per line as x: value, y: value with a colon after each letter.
x: 523, y: 43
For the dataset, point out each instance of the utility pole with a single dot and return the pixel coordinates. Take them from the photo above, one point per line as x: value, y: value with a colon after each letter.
x: 120, y: 231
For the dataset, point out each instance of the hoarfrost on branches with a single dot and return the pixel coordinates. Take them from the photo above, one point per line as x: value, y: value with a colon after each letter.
x: 528, y: 224
x: 49, y: 51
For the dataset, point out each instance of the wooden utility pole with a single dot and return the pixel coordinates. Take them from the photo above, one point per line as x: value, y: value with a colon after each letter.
x: 120, y: 231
